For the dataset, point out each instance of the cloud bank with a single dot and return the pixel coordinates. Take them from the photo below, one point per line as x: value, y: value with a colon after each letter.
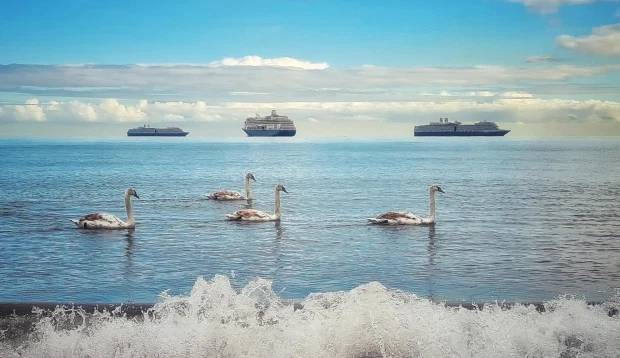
x: 604, y: 40
x: 510, y: 106
x: 223, y: 93
x: 221, y: 83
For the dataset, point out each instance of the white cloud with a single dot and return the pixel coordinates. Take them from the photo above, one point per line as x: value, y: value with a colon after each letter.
x: 482, y: 94
x: 604, y: 40
x: 444, y: 93
x: 189, y: 111
x: 550, y: 6
x: 31, y: 110
x: 517, y: 94
x: 79, y: 109
x: 257, y: 61
x: 111, y: 108
x: 542, y: 59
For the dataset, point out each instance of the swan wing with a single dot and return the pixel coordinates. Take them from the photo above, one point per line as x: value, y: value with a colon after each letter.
x: 387, y: 218
x: 249, y: 215
x: 396, y: 217
x: 99, y: 221
x: 226, y: 195
x: 102, y: 217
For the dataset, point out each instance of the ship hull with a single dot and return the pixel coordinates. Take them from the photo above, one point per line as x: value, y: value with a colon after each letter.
x: 270, y: 132
x: 500, y: 133
x: 157, y: 134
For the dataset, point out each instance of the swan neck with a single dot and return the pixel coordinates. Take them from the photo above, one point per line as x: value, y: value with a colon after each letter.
x: 248, y: 188
x: 431, y: 212
x: 129, y: 209
x: 277, y: 210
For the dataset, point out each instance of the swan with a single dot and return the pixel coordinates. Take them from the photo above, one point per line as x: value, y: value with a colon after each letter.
x: 406, y: 218
x: 109, y: 221
x: 257, y: 215
x: 235, y: 195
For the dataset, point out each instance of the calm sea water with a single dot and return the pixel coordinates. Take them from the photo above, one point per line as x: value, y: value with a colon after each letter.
x: 521, y: 220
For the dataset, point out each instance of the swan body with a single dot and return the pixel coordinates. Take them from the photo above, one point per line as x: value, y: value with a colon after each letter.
x: 400, y: 218
x: 105, y: 221
x: 257, y: 215
x: 407, y: 218
x: 227, y: 195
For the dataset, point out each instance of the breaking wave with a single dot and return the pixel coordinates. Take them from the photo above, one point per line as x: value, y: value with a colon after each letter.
x: 216, y: 320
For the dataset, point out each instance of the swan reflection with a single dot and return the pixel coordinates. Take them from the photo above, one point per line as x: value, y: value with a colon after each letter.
x: 431, y: 251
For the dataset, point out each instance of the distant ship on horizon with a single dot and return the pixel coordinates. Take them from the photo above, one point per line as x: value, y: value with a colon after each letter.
x: 273, y: 125
x: 147, y: 131
x: 445, y: 128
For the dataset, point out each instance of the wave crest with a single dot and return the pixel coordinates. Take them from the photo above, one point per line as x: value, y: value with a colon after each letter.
x: 216, y: 320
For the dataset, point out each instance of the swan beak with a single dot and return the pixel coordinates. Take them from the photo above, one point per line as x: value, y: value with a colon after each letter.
x: 440, y: 190
x: 136, y: 195
x: 284, y: 190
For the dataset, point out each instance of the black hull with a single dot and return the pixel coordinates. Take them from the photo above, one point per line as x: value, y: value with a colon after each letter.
x: 500, y: 133
x: 270, y: 133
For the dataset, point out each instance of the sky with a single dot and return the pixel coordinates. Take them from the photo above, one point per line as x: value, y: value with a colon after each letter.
x: 354, y: 69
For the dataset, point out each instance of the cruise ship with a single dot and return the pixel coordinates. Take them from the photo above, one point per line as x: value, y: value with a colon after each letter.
x: 147, y: 131
x: 446, y: 128
x: 274, y: 125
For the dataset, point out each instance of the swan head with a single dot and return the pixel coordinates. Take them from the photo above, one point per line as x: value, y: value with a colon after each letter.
x: 281, y: 187
x: 250, y: 176
x: 436, y: 187
x: 132, y: 192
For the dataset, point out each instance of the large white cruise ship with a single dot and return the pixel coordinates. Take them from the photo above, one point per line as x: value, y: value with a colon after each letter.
x: 274, y: 125
x: 446, y: 128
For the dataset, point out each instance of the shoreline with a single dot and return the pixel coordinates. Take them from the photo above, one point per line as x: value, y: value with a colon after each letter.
x: 131, y: 310
x: 17, y: 320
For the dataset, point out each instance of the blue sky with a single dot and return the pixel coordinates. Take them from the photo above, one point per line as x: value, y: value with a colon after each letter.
x: 382, y: 52
x: 390, y: 33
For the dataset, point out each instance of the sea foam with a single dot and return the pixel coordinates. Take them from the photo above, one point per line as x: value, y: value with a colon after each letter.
x: 216, y: 320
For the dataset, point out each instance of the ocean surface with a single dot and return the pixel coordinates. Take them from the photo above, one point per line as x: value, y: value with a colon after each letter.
x: 521, y: 220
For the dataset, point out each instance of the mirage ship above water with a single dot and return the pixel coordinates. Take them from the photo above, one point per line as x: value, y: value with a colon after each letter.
x: 146, y: 131
x: 273, y: 125
x: 456, y: 129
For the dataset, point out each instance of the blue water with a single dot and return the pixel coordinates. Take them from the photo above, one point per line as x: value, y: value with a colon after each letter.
x: 521, y: 220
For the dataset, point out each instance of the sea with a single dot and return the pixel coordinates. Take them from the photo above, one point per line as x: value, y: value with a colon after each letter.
x: 521, y: 221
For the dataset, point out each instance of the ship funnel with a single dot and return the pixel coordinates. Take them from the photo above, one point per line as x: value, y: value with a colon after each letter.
x: 273, y: 112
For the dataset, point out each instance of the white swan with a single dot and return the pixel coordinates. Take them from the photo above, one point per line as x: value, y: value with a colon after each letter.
x: 406, y: 218
x: 109, y: 221
x: 257, y: 215
x: 235, y: 195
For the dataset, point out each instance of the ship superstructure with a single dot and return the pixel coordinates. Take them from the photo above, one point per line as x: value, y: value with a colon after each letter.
x: 446, y: 128
x: 273, y: 125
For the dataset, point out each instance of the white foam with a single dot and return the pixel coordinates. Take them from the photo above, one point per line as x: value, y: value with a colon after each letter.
x: 215, y: 320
